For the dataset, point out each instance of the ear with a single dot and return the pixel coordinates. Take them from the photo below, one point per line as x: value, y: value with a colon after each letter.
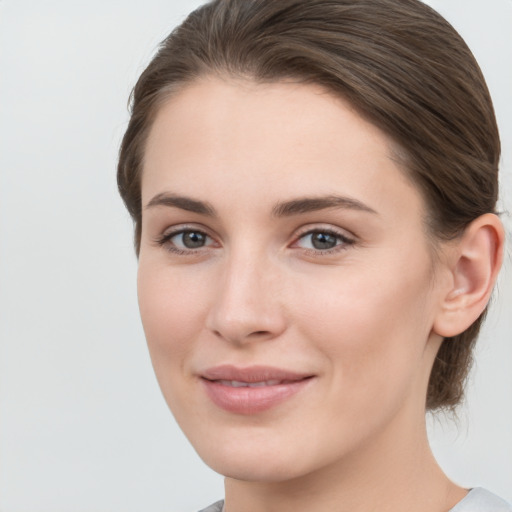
x: 473, y: 262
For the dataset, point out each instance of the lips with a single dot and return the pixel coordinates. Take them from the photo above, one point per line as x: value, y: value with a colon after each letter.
x: 251, y: 390
x: 241, y: 384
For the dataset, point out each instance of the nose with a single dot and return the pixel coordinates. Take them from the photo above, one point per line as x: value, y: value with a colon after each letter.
x: 247, y: 306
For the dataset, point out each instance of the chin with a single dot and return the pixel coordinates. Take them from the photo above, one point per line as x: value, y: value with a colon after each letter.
x: 256, y: 469
x: 269, y: 458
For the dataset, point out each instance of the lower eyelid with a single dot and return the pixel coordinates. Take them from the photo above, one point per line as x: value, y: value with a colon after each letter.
x: 165, y: 241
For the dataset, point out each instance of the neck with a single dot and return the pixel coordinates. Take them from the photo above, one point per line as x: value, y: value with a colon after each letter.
x: 385, y: 475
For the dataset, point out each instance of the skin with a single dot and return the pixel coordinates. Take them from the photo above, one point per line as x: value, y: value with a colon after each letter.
x: 361, y: 318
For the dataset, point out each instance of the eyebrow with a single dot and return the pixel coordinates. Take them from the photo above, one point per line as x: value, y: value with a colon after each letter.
x: 182, y: 202
x: 282, y: 209
x: 313, y: 204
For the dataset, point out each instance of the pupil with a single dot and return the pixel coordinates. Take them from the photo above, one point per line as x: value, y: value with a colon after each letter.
x: 193, y: 240
x: 323, y: 241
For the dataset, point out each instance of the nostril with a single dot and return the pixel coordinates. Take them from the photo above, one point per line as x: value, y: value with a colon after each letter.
x: 239, y: 337
x: 260, y: 333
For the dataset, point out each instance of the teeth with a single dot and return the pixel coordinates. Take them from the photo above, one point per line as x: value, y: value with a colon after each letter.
x: 273, y: 382
x: 237, y: 384
x: 240, y: 384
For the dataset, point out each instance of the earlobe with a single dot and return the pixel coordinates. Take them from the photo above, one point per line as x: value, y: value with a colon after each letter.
x: 475, y: 261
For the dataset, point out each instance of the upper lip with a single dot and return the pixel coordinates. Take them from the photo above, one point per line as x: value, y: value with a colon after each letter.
x: 252, y: 374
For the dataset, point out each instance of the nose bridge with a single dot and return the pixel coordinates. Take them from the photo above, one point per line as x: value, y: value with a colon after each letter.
x: 246, y: 305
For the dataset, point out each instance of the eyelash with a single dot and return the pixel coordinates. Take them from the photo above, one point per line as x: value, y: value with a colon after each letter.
x: 165, y: 240
x: 343, y: 241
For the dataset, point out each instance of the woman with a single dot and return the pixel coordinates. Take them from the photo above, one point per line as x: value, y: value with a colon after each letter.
x: 313, y: 186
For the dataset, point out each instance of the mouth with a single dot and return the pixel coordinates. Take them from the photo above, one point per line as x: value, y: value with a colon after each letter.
x: 251, y: 390
x: 241, y: 384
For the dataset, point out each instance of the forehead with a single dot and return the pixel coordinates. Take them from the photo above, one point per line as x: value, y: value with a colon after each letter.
x: 274, y: 139
x: 247, y: 114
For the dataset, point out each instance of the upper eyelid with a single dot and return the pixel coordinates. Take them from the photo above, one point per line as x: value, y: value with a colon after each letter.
x: 300, y: 232
x: 164, y: 240
x: 165, y: 236
x: 319, y: 228
x: 180, y: 228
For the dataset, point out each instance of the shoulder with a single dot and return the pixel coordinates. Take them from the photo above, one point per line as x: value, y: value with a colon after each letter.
x: 481, y: 500
x: 216, y: 507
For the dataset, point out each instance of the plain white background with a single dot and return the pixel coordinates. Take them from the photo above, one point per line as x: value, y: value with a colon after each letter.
x: 83, y: 426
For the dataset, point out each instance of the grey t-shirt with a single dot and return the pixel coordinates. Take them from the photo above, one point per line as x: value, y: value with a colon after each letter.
x: 477, y: 500
x: 480, y: 500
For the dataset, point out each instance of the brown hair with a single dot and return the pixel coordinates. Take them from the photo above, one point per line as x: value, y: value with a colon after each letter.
x: 398, y: 62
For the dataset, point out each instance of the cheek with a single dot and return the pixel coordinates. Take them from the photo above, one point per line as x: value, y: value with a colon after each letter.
x: 172, y: 308
x: 372, y: 328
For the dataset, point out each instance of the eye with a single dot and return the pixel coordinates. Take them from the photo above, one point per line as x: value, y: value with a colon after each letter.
x: 322, y: 240
x: 189, y: 240
x: 184, y: 241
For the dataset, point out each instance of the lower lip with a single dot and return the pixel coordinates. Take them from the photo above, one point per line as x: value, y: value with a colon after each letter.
x: 247, y: 400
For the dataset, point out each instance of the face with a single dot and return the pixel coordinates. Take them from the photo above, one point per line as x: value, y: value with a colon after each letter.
x: 286, y: 284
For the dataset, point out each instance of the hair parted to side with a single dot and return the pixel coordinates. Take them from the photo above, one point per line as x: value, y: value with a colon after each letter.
x: 398, y: 62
